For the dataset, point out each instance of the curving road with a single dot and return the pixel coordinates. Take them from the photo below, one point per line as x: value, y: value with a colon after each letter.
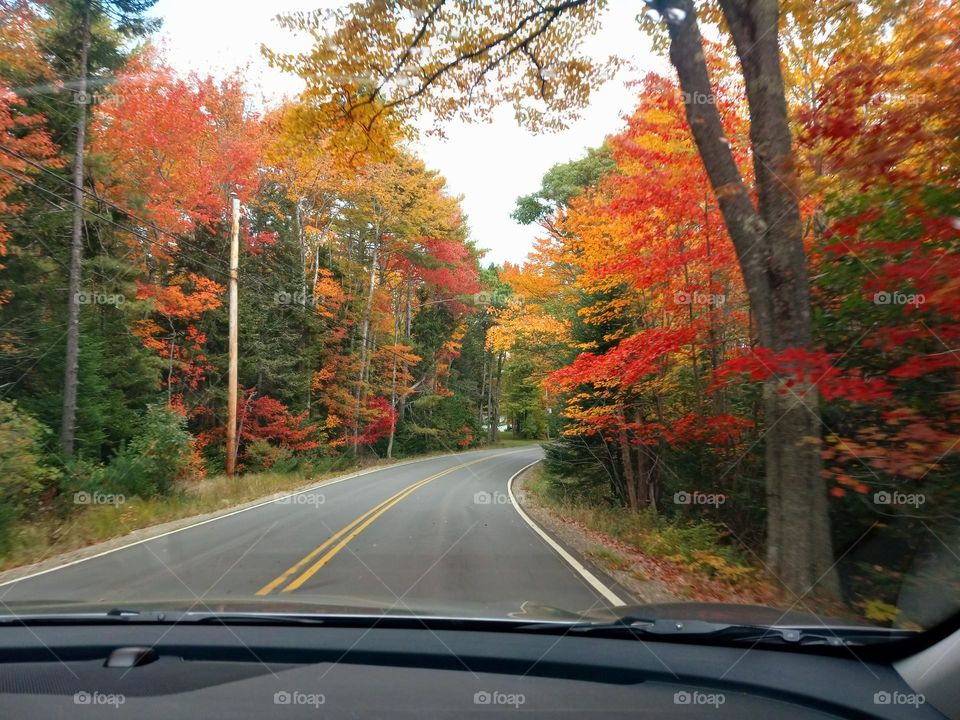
x: 437, y: 535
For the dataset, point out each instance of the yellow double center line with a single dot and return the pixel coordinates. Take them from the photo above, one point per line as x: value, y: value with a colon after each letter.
x: 349, y: 532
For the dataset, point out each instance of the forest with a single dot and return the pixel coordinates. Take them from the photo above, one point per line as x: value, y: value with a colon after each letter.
x: 362, y: 322
x: 740, y: 316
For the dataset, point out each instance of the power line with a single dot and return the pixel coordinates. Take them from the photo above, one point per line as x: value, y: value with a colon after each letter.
x: 143, y: 221
x: 258, y: 280
x: 126, y: 228
x: 259, y: 283
x: 180, y: 240
x: 56, y: 205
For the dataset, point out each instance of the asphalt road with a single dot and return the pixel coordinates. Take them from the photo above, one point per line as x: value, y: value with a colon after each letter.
x: 438, y: 535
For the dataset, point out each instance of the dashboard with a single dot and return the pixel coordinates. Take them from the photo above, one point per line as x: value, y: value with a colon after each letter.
x: 253, y: 671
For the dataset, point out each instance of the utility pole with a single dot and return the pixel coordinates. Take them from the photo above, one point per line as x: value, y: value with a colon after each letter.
x: 232, y: 374
x: 72, y: 361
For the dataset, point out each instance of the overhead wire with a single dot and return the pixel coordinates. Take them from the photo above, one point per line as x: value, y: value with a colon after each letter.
x: 27, y: 181
x: 99, y: 198
x: 263, y: 288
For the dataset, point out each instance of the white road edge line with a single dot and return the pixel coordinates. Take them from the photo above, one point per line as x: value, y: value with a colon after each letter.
x: 319, y: 485
x: 572, y: 561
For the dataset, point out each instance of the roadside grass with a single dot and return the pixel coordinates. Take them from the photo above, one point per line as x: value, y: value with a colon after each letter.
x: 700, y: 548
x: 509, y: 442
x: 51, y: 533
x: 695, y: 560
x: 74, y: 526
x: 610, y: 559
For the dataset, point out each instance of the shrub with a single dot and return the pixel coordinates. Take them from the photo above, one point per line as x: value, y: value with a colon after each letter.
x: 573, y: 475
x: 161, y: 453
x: 701, y: 546
x: 82, y: 476
x: 436, y: 422
x: 26, y: 473
x: 8, y: 517
x: 261, y: 455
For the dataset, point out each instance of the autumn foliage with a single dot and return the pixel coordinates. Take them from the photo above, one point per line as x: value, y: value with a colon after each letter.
x: 628, y: 340
x: 651, y: 300
x: 632, y: 316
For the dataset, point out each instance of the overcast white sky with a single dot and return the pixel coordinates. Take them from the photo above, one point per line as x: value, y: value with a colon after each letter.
x: 490, y: 164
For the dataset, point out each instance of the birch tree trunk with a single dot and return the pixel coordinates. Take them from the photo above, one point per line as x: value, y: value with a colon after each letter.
x: 364, y: 337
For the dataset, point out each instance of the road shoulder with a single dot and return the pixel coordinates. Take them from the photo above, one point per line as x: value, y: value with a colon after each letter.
x: 581, y: 543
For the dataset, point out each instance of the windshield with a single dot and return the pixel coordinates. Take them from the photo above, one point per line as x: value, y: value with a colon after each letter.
x: 577, y: 312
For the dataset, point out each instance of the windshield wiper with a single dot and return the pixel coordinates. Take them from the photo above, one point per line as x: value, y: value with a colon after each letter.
x: 227, y: 617
x: 111, y: 616
x: 699, y: 630
x: 231, y: 618
x: 126, y: 615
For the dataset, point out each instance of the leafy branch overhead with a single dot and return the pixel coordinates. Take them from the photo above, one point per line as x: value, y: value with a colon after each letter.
x: 455, y: 60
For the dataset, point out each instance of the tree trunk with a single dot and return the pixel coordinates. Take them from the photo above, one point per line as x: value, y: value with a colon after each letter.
x: 393, y: 379
x: 302, y: 247
x: 495, y: 397
x: 72, y: 362
x: 769, y: 244
x: 483, y: 389
x: 613, y: 469
x: 364, y: 336
x: 629, y: 478
x: 309, y: 299
x: 644, y: 470
x: 170, y: 363
x: 402, y: 405
x: 490, y: 418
